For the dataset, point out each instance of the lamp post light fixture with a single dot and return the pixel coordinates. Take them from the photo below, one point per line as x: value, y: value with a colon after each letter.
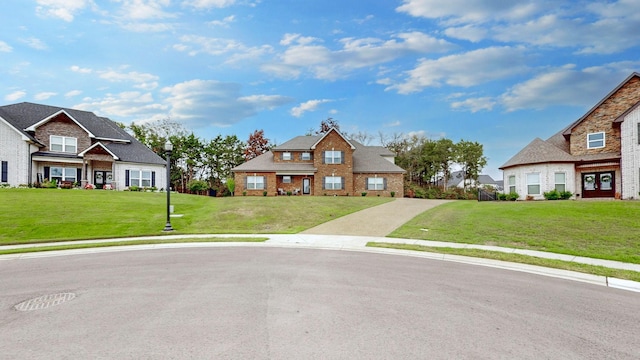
x: 168, y: 148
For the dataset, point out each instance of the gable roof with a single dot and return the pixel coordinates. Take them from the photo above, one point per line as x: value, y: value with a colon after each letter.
x: 265, y: 163
x: 327, y: 134
x: 568, y: 130
x: 298, y: 143
x: 25, y: 116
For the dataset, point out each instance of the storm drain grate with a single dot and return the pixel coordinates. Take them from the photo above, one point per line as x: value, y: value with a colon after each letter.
x: 45, y: 301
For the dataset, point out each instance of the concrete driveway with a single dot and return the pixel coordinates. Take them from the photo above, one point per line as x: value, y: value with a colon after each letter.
x: 379, y: 220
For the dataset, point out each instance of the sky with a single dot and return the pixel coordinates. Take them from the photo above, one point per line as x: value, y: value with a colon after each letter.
x: 497, y: 72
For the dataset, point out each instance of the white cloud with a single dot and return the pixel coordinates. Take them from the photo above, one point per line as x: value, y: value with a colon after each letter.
x: 44, y: 95
x: 73, y: 93
x: 467, y: 69
x: 311, y: 105
x: 468, y: 32
x: 466, y: 11
x: 210, y: 102
x: 237, y: 51
x: 78, y: 69
x: 567, y: 86
x: 4, y: 47
x: 16, y: 95
x: 144, y: 9
x: 207, y: 4
x: 61, y: 9
x: 474, y: 104
x: 35, y: 43
x: 131, y: 104
x: 393, y: 124
x: 141, y: 80
x: 224, y: 22
x: 303, y: 54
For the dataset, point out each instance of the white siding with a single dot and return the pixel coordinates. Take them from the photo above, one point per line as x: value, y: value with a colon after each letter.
x: 121, y: 167
x: 547, y: 178
x: 630, y: 150
x: 15, y: 150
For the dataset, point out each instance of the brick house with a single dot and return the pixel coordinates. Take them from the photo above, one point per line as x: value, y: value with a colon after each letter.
x: 327, y: 164
x: 39, y: 142
x: 597, y: 156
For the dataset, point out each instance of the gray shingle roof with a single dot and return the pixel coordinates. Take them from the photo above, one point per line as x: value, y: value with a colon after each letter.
x: 23, y: 115
x: 538, y: 151
x: 298, y: 143
x: 265, y: 163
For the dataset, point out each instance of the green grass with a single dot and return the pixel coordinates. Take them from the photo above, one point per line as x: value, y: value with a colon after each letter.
x: 128, y: 243
x: 598, y: 229
x: 518, y: 258
x: 41, y: 215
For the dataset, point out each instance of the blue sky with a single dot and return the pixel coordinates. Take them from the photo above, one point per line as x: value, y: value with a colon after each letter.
x: 493, y: 71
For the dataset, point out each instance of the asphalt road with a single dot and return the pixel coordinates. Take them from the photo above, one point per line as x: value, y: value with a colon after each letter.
x: 276, y: 303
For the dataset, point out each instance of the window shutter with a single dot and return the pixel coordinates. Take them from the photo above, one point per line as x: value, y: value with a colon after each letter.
x: 384, y: 182
x: 341, y: 157
x: 126, y: 178
x: 366, y: 183
x: 79, y: 175
x: 342, y: 183
x: 264, y: 181
x: 246, y: 182
x: 46, y: 173
x: 281, y: 155
x: 153, y: 178
x: 324, y: 157
x: 324, y: 181
x: 5, y: 172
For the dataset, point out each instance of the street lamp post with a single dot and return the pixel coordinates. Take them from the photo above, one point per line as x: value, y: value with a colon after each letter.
x: 168, y: 147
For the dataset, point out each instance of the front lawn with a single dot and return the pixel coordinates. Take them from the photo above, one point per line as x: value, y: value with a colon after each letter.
x: 597, y: 229
x: 39, y: 215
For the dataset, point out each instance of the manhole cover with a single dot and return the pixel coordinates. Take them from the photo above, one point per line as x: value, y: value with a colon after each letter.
x: 45, y: 301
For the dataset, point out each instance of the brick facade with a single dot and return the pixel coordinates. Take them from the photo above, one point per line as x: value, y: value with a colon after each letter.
x: 61, y: 125
x: 601, y: 120
x: 394, y: 183
x: 333, y: 142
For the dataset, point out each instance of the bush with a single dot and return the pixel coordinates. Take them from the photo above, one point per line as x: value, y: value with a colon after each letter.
x: 393, y: 194
x: 46, y: 184
x: 552, y: 195
x: 513, y: 196
x: 364, y: 193
x: 197, y: 186
x: 264, y: 193
x: 565, y: 195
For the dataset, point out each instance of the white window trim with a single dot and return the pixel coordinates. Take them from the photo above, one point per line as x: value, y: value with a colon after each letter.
x: 511, y: 185
x: 286, y: 179
x: 556, y: 183
x: 63, y: 143
x: 137, y: 175
x: 330, y: 157
x: 63, y: 172
x: 589, y: 141
x: 375, y: 183
x: 286, y: 156
x: 533, y: 184
x: 305, y: 156
x: 253, y: 181
x: 333, y: 181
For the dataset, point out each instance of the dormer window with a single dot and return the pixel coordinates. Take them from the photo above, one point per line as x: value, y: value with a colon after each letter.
x: 595, y: 140
x: 305, y: 156
x: 286, y: 156
x: 63, y: 144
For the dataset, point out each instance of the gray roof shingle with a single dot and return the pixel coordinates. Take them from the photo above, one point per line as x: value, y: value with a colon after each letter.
x: 23, y: 115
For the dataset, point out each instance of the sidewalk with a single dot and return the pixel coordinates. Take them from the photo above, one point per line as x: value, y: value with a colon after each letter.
x: 355, y: 243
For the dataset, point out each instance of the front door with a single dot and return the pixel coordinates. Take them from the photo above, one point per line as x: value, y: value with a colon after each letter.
x: 306, y: 186
x: 102, y: 178
x: 598, y: 184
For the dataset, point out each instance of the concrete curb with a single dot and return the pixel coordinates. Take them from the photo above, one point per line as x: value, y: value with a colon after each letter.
x: 353, y: 243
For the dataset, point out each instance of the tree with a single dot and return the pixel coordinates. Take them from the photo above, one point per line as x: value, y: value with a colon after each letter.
x: 470, y: 156
x: 221, y: 155
x: 326, y: 125
x: 256, y: 145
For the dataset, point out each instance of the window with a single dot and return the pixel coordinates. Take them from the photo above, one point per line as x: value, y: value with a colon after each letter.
x: 595, y: 140
x: 333, y: 183
x: 376, y: 183
x: 286, y: 179
x: 333, y: 157
x: 533, y: 184
x: 286, y: 156
x: 63, y: 144
x: 63, y: 174
x: 305, y: 156
x: 140, y: 178
x: 560, y: 180
x: 255, y: 182
x: 512, y: 184
x: 4, y: 174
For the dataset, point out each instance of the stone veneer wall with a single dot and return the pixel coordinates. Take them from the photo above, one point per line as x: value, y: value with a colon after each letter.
x: 61, y: 125
x: 601, y: 119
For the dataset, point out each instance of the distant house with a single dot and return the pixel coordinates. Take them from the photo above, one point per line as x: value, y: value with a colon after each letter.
x: 327, y: 164
x: 596, y: 156
x: 456, y: 179
x: 39, y: 142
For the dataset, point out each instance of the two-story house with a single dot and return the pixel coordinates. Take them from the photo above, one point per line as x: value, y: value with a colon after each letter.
x: 597, y: 156
x: 327, y: 164
x: 39, y: 142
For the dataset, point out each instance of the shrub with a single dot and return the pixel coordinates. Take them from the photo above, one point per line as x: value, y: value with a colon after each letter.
x: 552, y: 195
x: 565, y: 195
x: 364, y: 193
x: 197, y: 186
x: 231, y: 185
x: 264, y: 193
x: 46, y: 184
x: 513, y: 196
x: 244, y: 193
x: 502, y: 197
x: 393, y: 194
